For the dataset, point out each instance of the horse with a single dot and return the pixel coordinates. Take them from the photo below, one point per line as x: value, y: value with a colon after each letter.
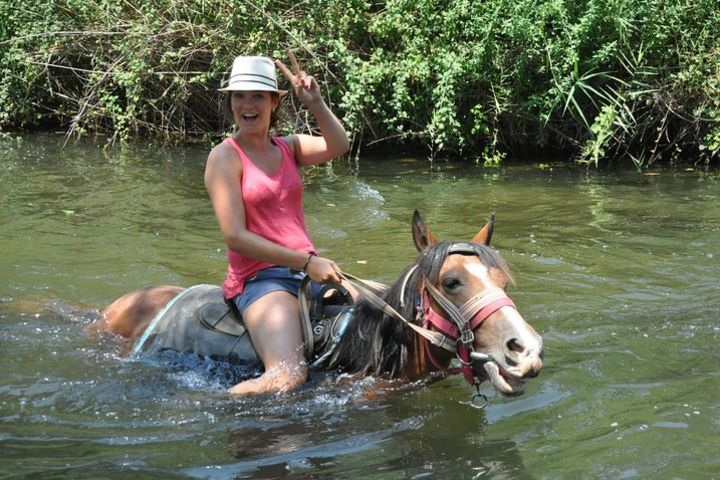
x: 451, y: 303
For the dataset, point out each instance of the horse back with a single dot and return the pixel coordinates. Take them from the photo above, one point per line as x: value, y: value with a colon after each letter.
x: 129, y: 315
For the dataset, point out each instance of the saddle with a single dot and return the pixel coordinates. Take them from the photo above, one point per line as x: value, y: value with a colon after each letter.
x: 199, y: 320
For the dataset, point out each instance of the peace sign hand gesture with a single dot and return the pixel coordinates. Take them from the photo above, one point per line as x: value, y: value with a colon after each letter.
x: 305, y: 86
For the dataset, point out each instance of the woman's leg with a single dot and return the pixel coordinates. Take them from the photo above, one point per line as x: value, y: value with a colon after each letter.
x: 273, y: 322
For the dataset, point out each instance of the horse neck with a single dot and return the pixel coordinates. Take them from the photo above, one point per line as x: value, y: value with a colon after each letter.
x: 423, y: 357
x: 377, y: 344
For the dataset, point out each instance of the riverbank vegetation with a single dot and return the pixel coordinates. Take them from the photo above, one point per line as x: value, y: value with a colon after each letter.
x: 624, y: 81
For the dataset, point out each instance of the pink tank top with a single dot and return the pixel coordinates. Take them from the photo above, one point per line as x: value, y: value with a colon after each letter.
x: 273, y: 209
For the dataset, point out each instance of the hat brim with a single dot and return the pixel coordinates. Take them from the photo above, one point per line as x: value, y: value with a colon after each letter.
x: 250, y: 87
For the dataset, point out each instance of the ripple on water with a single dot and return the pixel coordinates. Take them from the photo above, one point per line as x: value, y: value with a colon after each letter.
x: 293, y: 448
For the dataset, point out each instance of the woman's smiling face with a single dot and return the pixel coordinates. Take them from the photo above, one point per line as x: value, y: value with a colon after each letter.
x: 252, y: 110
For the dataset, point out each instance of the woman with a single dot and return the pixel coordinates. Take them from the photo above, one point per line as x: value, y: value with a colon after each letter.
x: 256, y: 191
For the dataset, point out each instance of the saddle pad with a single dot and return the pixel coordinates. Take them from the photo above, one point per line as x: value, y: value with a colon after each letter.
x: 199, y: 320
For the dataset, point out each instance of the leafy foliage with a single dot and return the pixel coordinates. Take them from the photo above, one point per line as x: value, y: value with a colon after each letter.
x: 609, y: 80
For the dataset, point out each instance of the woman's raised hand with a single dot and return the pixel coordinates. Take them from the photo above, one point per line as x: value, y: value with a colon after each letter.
x: 305, y: 86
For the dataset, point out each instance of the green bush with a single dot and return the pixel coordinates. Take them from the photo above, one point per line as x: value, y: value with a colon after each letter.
x: 634, y: 81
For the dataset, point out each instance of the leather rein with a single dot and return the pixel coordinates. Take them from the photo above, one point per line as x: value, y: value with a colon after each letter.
x: 454, y: 334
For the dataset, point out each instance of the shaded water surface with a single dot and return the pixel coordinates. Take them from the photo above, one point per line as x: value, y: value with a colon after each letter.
x: 619, y: 272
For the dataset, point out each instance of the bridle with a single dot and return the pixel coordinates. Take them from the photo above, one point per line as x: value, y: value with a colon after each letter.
x: 454, y: 334
x: 463, y: 320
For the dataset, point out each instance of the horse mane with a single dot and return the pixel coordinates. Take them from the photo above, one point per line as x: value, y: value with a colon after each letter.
x: 376, y: 344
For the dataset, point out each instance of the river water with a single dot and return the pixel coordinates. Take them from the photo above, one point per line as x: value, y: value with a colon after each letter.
x: 618, y: 271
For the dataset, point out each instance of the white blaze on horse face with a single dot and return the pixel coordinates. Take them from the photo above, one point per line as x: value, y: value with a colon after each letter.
x: 479, y: 271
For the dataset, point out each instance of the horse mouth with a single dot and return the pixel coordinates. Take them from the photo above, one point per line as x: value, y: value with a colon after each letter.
x: 504, y: 382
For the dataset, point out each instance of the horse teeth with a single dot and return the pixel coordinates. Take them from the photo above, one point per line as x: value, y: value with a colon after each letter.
x: 501, y: 382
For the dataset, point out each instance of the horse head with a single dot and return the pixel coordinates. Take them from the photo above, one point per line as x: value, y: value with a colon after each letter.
x: 461, y: 287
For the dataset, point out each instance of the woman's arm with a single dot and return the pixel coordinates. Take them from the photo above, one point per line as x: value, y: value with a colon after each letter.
x: 222, y: 180
x: 333, y: 142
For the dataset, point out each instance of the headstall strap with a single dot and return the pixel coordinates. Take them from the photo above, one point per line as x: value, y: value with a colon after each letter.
x: 461, y: 334
x: 463, y: 248
x: 429, y: 354
x: 441, y: 323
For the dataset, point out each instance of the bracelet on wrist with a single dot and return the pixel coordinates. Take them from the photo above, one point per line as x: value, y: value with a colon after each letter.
x: 307, y: 262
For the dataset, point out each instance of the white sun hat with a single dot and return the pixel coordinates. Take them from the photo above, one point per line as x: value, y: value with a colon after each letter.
x: 252, y: 74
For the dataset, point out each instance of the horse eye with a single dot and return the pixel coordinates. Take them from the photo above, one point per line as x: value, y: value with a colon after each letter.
x: 451, y: 283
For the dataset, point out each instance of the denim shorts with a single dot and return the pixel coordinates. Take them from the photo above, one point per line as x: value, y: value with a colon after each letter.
x: 269, y: 280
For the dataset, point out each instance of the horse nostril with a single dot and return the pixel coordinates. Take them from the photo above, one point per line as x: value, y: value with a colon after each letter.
x: 513, y: 351
x: 513, y: 346
x: 525, y: 355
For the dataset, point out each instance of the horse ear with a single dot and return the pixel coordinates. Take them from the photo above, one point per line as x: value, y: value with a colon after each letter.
x: 422, y: 236
x: 485, y: 234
